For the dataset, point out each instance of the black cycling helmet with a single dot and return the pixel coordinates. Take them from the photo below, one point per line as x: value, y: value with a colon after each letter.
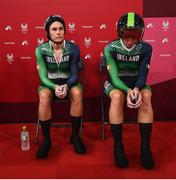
x: 52, y: 19
x: 130, y: 24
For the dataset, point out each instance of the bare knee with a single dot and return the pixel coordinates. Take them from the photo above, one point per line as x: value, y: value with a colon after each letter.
x: 146, y: 100
x: 76, y: 95
x: 117, y: 98
x: 45, y: 97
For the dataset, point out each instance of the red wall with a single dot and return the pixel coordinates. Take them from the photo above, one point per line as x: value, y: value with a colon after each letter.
x: 159, y: 33
x: 21, y: 29
x: 18, y: 75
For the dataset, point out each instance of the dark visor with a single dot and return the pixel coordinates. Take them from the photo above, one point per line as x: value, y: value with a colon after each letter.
x: 132, y: 33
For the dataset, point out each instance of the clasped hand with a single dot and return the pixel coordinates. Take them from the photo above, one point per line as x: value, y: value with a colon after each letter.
x: 61, y: 91
x: 134, y: 98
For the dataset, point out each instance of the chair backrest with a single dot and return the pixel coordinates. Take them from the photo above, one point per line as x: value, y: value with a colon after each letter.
x: 81, y: 72
x: 102, y: 63
x: 103, y: 71
x: 81, y: 64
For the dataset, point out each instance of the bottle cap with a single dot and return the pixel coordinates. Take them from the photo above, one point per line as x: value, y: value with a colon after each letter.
x: 24, y: 128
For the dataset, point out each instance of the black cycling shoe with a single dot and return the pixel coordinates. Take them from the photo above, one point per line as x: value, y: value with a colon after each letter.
x: 147, y: 160
x: 43, y: 149
x: 78, y: 145
x: 120, y: 157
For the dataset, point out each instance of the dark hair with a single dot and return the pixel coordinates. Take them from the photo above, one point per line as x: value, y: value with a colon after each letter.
x: 52, y: 19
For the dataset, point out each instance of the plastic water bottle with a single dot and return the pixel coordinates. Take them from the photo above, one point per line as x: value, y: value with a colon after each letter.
x: 25, y: 143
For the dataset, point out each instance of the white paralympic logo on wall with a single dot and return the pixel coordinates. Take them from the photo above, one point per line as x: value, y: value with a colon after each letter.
x: 10, y: 58
x: 71, y: 27
x: 165, y: 40
x: 40, y: 41
x: 73, y: 41
x: 103, y: 26
x: 165, y: 25
x: 24, y: 28
x: 149, y: 25
x: 88, y: 56
x: 25, y: 43
x: 101, y: 54
x: 8, y: 28
x: 87, y: 41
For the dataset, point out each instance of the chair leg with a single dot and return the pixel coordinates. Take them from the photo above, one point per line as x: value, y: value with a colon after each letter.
x: 103, y: 118
x: 37, y: 131
x: 102, y: 105
x: 81, y: 128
